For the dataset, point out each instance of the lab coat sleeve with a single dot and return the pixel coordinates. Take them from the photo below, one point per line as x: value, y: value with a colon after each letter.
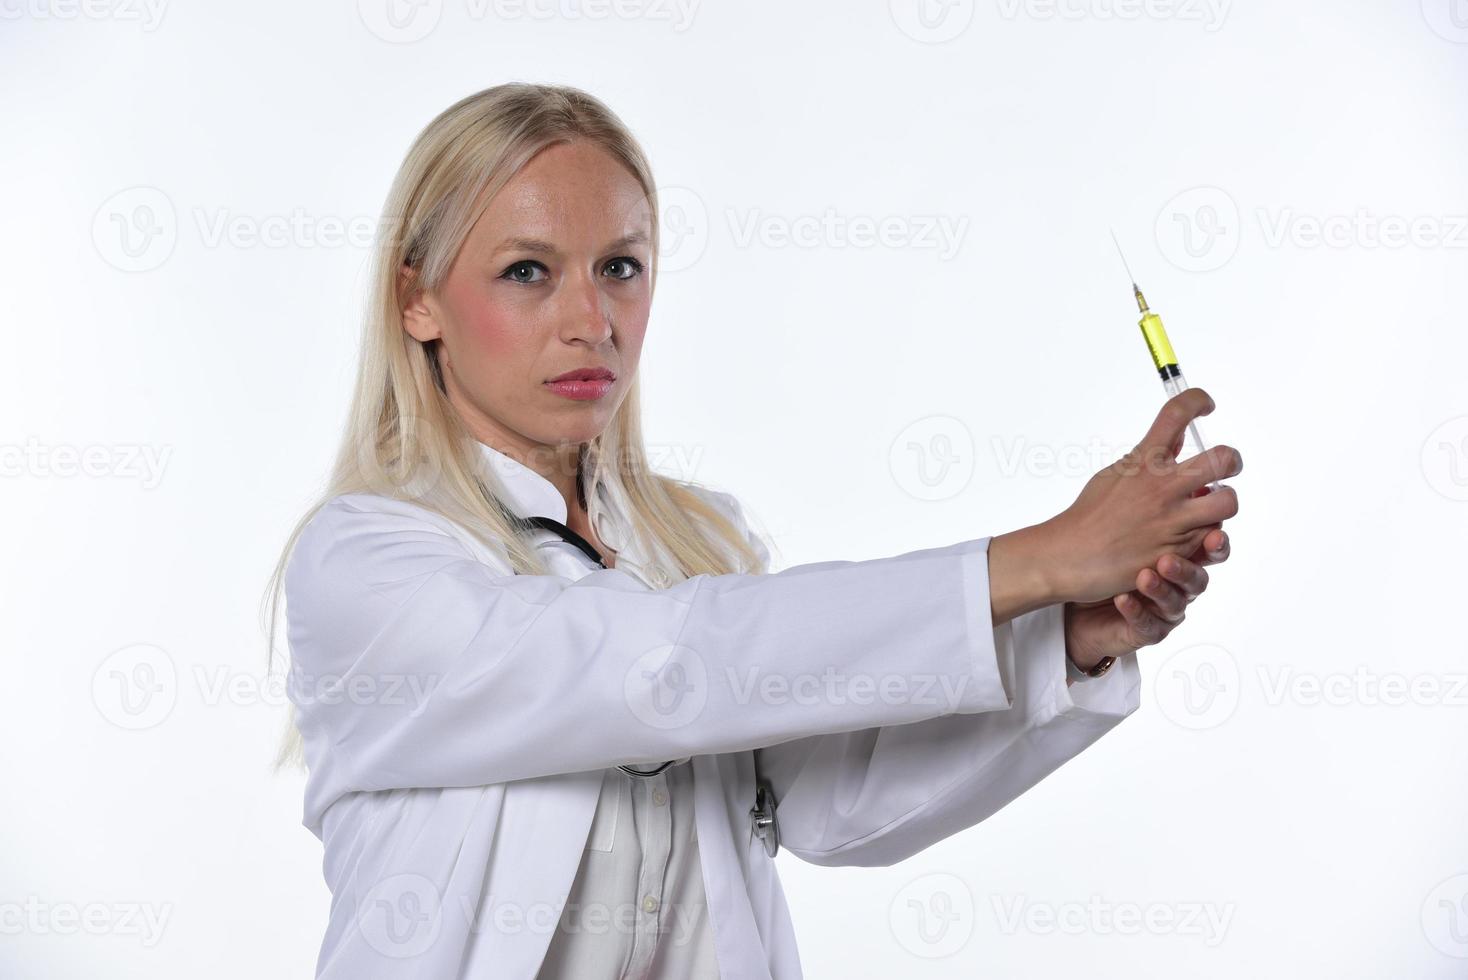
x: 879, y: 795
x: 416, y: 664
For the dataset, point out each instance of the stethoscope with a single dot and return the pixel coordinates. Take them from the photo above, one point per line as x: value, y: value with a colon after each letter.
x: 553, y: 525
x: 762, y: 815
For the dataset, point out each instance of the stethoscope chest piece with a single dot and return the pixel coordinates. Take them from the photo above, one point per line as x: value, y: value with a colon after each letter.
x: 762, y: 818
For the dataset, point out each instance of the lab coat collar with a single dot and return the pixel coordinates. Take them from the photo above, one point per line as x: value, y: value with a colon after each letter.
x: 530, y: 494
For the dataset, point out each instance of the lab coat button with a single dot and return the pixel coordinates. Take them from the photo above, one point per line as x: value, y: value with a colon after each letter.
x: 659, y: 797
x: 649, y: 904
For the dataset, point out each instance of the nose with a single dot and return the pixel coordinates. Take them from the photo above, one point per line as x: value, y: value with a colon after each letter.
x: 586, y: 315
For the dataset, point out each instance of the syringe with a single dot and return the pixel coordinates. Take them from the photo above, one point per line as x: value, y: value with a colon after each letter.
x: 1162, y: 356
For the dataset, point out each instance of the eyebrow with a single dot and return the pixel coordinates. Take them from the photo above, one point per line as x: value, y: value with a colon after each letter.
x: 546, y: 248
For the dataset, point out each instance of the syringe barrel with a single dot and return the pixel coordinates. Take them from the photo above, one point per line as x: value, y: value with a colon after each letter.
x: 1157, y: 343
x: 1174, y: 382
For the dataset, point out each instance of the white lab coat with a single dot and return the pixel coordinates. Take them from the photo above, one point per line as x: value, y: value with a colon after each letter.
x: 458, y: 718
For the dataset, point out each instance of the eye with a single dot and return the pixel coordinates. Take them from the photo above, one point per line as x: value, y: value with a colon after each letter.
x: 633, y: 267
x: 513, y: 273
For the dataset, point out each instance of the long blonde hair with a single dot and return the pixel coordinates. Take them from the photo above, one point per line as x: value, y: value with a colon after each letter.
x: 402, y: 438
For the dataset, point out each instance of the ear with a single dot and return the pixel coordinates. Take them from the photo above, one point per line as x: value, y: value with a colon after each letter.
x: 417, y: 307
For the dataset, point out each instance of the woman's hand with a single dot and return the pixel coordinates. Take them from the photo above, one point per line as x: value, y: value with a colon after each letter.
x: 1130, y: 620
x: 1140, y: 509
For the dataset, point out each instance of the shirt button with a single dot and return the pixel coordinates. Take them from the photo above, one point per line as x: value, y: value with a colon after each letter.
x: 649, y: 904
x: 659, y: 797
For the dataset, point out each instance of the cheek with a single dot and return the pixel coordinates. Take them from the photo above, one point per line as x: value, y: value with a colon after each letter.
x: 632, y: 329
x: 487, y: 332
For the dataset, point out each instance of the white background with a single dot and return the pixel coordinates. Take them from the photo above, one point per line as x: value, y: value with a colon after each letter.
x: 1262, y: 162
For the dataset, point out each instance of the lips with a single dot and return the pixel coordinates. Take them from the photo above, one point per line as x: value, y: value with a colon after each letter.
x: 584, y: 374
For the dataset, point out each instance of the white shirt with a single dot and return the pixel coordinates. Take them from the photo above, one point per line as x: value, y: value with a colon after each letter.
x: 637, y: 907
x: 459, y: 721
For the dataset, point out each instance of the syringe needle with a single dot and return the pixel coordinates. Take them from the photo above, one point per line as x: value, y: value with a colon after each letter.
x: 1130, y: 277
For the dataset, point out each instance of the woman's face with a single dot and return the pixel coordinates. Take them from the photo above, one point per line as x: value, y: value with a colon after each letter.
x: 552, y: 278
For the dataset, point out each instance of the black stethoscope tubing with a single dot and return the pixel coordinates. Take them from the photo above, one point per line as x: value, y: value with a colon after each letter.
x: 555, y: 526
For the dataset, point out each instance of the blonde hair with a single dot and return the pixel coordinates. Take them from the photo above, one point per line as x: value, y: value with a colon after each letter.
x: 402, y: 438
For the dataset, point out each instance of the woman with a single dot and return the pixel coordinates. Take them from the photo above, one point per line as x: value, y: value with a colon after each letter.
x: 556, y: 721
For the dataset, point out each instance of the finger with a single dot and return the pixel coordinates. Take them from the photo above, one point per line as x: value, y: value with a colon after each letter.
x: 1212, y: 548
x: 1215, y: 543
x: 1167, y: 429
x: 1218, y: 463
x: 1211, y: 509
x: 1144, y: 627
x: 1168, y: 602
x: 1186, y: 574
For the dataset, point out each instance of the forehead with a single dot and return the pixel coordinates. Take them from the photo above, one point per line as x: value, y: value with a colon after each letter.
x: 571, y: 194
